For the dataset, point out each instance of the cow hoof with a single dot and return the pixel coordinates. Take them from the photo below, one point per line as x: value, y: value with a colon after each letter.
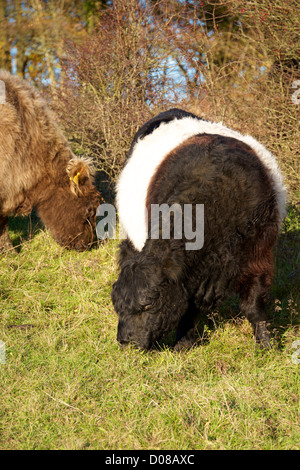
x: 262, y: 335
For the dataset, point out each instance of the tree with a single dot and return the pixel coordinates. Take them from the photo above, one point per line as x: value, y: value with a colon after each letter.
x: 4, y: 41
x: 33, y: 33
x: 115, y: 80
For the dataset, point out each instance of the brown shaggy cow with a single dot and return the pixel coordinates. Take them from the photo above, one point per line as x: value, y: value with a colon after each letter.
x: 38, y: 169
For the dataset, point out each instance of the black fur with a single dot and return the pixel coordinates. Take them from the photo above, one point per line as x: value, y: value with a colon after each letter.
x: 166, y: 286
x: 153, y: 123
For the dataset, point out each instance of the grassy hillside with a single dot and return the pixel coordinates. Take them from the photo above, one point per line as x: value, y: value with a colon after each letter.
x: 67, y: 384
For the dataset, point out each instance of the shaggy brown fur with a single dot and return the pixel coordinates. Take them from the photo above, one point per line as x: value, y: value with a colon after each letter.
x: 38, y: 169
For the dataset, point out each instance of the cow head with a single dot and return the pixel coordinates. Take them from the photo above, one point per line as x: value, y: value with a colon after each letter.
x: 68, y: 206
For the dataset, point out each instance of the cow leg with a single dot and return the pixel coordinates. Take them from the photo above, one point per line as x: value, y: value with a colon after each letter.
x: 5, y: 241
x: 253, y: 304
x: 186, y: 335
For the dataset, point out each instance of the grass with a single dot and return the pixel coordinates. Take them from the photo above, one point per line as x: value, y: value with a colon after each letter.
x: 67, y: 384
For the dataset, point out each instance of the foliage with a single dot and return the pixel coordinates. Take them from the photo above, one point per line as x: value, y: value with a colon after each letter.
x: 241, y: 62
x: 115, y: 81
x: 31, y: 39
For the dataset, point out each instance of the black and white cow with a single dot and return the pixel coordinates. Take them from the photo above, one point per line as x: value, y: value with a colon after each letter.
x: 179, y: 160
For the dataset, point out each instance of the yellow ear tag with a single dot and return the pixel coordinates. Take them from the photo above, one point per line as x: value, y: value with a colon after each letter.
x: 76, y: 177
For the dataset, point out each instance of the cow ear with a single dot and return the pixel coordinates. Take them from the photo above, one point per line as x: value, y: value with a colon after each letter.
x: 79, y: 170
x: 126, y: 251
x: 172, y: 259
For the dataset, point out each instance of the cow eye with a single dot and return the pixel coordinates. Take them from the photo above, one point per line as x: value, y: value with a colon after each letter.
x: 147, y: 307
